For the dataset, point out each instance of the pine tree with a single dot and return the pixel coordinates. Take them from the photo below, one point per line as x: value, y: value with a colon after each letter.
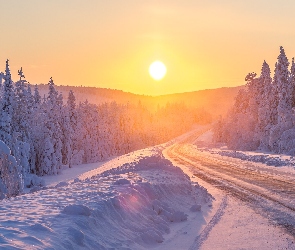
x: 292, y: 82
x: 2, y: 75
x: 284, y: 89
x: 30, y: 99
x: 8, y: 103
x: 282, y: 101
x: 71, y: 122
x: 251, y: 131
x: 37, y: 97
x: 265, y: 105
x: 53, y: 125
x: 286, y: 142
x: 21, y: 127
x: 47, y: 141
x: 37, y: 123
x: 11, y: 177
x: 21, y: 112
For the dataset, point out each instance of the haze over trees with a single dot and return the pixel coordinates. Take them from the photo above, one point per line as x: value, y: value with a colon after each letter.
x: 214, y: 101
x: 262, y: 117
x: 42, y: 133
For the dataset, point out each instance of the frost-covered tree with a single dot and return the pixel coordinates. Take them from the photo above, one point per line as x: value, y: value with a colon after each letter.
x: 247, y: 123
x: 70, y: 128
x: 292, y: 83
x: 21, y: 112
x: 37, y: 124
x: 48, y: 134
x: 264, y: 108
x: 1, y: 77
x: 53, y: 125
x: 286, y: 129
x: 37, y: 97
x: 66, y: 132
x: 7, y: 105
x: 22, y: 127
x: 264, y: 113
x: 284, y: 89
x: 282, y: 97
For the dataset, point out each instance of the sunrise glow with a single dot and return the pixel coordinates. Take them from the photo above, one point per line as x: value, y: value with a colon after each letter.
x: 157, y: 70
x: 98, y: 43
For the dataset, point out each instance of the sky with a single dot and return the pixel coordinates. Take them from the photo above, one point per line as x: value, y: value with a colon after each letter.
x: 111, y: 44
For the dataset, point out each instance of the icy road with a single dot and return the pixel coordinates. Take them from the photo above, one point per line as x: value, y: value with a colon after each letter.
x: 267, y: 191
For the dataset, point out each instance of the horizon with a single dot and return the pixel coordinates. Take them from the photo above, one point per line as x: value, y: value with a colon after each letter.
x: 140, y: 94
x: 112, y: 44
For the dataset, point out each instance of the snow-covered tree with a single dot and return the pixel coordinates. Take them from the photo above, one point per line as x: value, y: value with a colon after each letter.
x: 292, y: 82
x: 7, y: 105
x: 37, y: 97
x: 21, y: 112
x: 284, y: 89
x: 264, y: 113
x: 70, y: 125
x: 282, y: 97
x: 265, y: 105
x: 53, y: 126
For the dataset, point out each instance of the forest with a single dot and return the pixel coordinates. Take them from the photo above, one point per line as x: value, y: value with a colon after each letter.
x: 262, y: 117
x: 40, y: 135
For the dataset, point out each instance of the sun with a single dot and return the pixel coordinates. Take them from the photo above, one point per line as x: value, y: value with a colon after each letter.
x: 157, y: 70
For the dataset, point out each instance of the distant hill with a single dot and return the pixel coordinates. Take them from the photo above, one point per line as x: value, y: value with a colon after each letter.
x: 215, y: 101
x: 94, y: 95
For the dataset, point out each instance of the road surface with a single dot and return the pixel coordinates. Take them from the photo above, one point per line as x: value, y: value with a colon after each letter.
x: 269, y: 191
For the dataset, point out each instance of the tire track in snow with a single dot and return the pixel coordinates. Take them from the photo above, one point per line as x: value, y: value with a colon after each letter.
x: 199, y: 240
x: 254, y: 188
x: 235, y: 186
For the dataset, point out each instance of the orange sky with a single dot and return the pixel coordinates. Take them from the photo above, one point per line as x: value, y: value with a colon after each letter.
x: 111, y: 43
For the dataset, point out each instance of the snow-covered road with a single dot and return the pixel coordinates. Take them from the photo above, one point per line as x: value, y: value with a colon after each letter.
x: 264, y: 190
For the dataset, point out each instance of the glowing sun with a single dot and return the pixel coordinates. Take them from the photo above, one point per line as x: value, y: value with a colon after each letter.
x: 157, y: 70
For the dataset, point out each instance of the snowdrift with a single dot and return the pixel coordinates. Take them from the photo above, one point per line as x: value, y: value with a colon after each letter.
x: 205, y: 144
x: 131, y: 206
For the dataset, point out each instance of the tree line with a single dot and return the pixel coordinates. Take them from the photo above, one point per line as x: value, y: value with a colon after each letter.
x: 41, y: 135
x: 262, y: 117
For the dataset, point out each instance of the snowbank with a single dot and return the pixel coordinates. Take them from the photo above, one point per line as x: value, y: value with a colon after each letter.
x: 132, y: 205
x: 270, y: 160
x: 205, y: 143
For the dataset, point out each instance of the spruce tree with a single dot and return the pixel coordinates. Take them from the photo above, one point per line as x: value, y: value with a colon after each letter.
x: 71, y: 126
x: 264, y: 111
x: 281, y: 102
x: 8, y: 103
x: 284, y: 89
x: 53, y: 126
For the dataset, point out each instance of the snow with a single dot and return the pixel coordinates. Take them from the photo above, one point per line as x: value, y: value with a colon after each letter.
x: 76, y: 210
x: 233, y: 224
x: 205, y: 143
x: 196, y: 207
x: 136, y: 201
x: 69, y: 174
x: 141, y: 200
